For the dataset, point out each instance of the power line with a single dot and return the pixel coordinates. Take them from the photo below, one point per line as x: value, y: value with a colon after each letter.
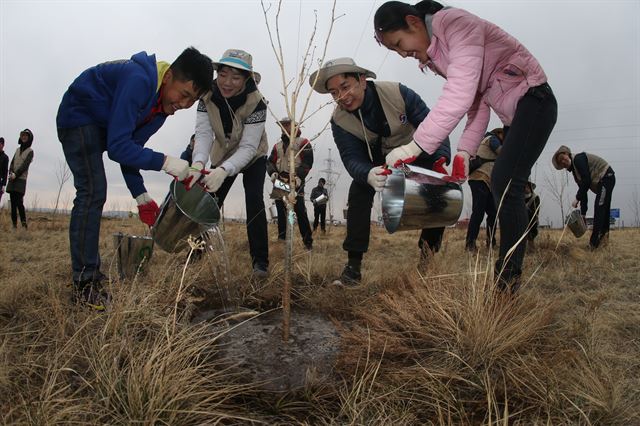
x: 364, y: 28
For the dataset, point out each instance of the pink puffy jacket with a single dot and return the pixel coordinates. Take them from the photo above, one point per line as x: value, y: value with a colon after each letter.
x: 484, y: 67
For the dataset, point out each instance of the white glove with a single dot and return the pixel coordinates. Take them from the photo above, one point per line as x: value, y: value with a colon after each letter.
x: 12, y: 176
x: 143, y: 198
x: 273, y: 177
x: 195, y: 171
x: 460, y: 169
x: 298, y: 182
x: 403, y: 154
x: 376, y: 178
x: 214, y: 179
x: 176, y: 167
x: 2, y: 189
x: 575, y: 203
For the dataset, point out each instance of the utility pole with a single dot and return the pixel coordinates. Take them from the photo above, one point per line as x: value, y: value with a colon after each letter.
x: 331, y: 176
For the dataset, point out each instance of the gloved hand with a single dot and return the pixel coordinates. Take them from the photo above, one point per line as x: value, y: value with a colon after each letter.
x: 195, y: 171
x: 460, y: 170
x: 147, y: 209
x: 214, y: 179
x: 273, y: 177
x: 12, y: 176
x: 403, y: 154
x: 176, y: 167
x: 575, y: 203
x: 298, y: 182
x: 438, y: 166
x: 377, y: 177
x: 2, y: 189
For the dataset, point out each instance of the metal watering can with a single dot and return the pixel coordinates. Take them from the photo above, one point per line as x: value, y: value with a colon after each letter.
x: 182, y: 214
x: 576, y: 224
x: 132, y: 254
x: 417, y: 198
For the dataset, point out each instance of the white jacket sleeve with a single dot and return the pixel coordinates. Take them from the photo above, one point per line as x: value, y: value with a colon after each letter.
x: 251, y: 135
x: 204, y: 136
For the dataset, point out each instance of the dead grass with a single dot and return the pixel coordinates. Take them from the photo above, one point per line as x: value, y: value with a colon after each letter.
x: 437, y: 347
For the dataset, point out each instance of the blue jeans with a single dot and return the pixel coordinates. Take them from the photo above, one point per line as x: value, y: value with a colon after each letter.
x: 83, y: 148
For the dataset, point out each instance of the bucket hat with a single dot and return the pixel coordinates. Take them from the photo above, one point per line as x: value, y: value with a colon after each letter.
x: 335, y: 67
x: 239, y: 59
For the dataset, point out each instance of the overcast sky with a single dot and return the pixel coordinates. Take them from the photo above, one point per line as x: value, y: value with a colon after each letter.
x: 590, y: 51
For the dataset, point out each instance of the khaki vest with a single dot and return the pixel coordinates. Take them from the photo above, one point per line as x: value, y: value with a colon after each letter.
x: 224, y: 147
x: 394, y: 111
x: 282, y: 162
x: 597, y: 167
x: 18, y: 160
x: 486, y: 153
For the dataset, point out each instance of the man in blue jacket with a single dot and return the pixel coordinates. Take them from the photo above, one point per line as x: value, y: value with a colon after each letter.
x: 371, y: 119
x: 115, y: 107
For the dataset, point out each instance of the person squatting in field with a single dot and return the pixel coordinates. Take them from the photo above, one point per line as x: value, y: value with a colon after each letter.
x: 485, y: 69
x: 370, y: 120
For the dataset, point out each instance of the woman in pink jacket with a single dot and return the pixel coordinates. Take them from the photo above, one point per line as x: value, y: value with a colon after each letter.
x: 486, y: 69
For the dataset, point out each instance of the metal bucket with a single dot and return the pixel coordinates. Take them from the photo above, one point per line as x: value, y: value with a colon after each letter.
x: 575, y: 222
x: 416, y: 198
x: 182, y: 214
x: 132, y: 254
x: 273, y: 211
x: 321, y: 200
x: 280, y: 189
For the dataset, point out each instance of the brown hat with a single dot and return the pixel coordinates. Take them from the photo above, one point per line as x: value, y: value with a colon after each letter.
x: 562, y: 150
x: 335, y: 67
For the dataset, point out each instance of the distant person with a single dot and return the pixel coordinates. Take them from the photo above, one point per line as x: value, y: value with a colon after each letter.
x: 485, y: 69
x: 532, y: 201
x: 230, y: 131
x: 116, y: 106
x: 278, y: 168
x: 372, y: 118
x: 319, y: 209
x: 187, y: 154
x: 590, y: 172
x: 480, y: 183
x: 4, y: 168
x: 18, y: 172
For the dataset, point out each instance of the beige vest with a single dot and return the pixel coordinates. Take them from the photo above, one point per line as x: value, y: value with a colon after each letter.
x: 597, y: 167
x: 486, y: 153
x: 282, y: 162
x: 18, y: 160
x: 224, y: 147
x: 394, y: 111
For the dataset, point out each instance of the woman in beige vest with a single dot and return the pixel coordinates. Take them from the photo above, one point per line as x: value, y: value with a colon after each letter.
x: 590, y: 173
x: 230, y: 132
x: 18, y: 172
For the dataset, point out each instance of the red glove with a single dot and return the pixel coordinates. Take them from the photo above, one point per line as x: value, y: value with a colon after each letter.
x: 460, y: 169
x: 438, y: 166
x: 149, y: 212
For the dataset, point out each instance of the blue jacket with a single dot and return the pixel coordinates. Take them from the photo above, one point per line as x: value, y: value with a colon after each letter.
x: 353, y: 151
x: 118, y: 96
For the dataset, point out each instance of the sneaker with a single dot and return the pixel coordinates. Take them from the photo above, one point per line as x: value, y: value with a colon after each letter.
x: 91, y: 295
x: 260, y: 271
x: 350, y: 277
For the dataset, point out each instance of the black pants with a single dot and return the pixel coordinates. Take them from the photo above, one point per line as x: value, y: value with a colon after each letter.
x: 253, y: 182
x: 17, y: 206
x: 525, y: 139
x: 359, y: 222
x: 602, y: 208
x: 482, y: 203
x: 303, y: 220
x: 320, y: 217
